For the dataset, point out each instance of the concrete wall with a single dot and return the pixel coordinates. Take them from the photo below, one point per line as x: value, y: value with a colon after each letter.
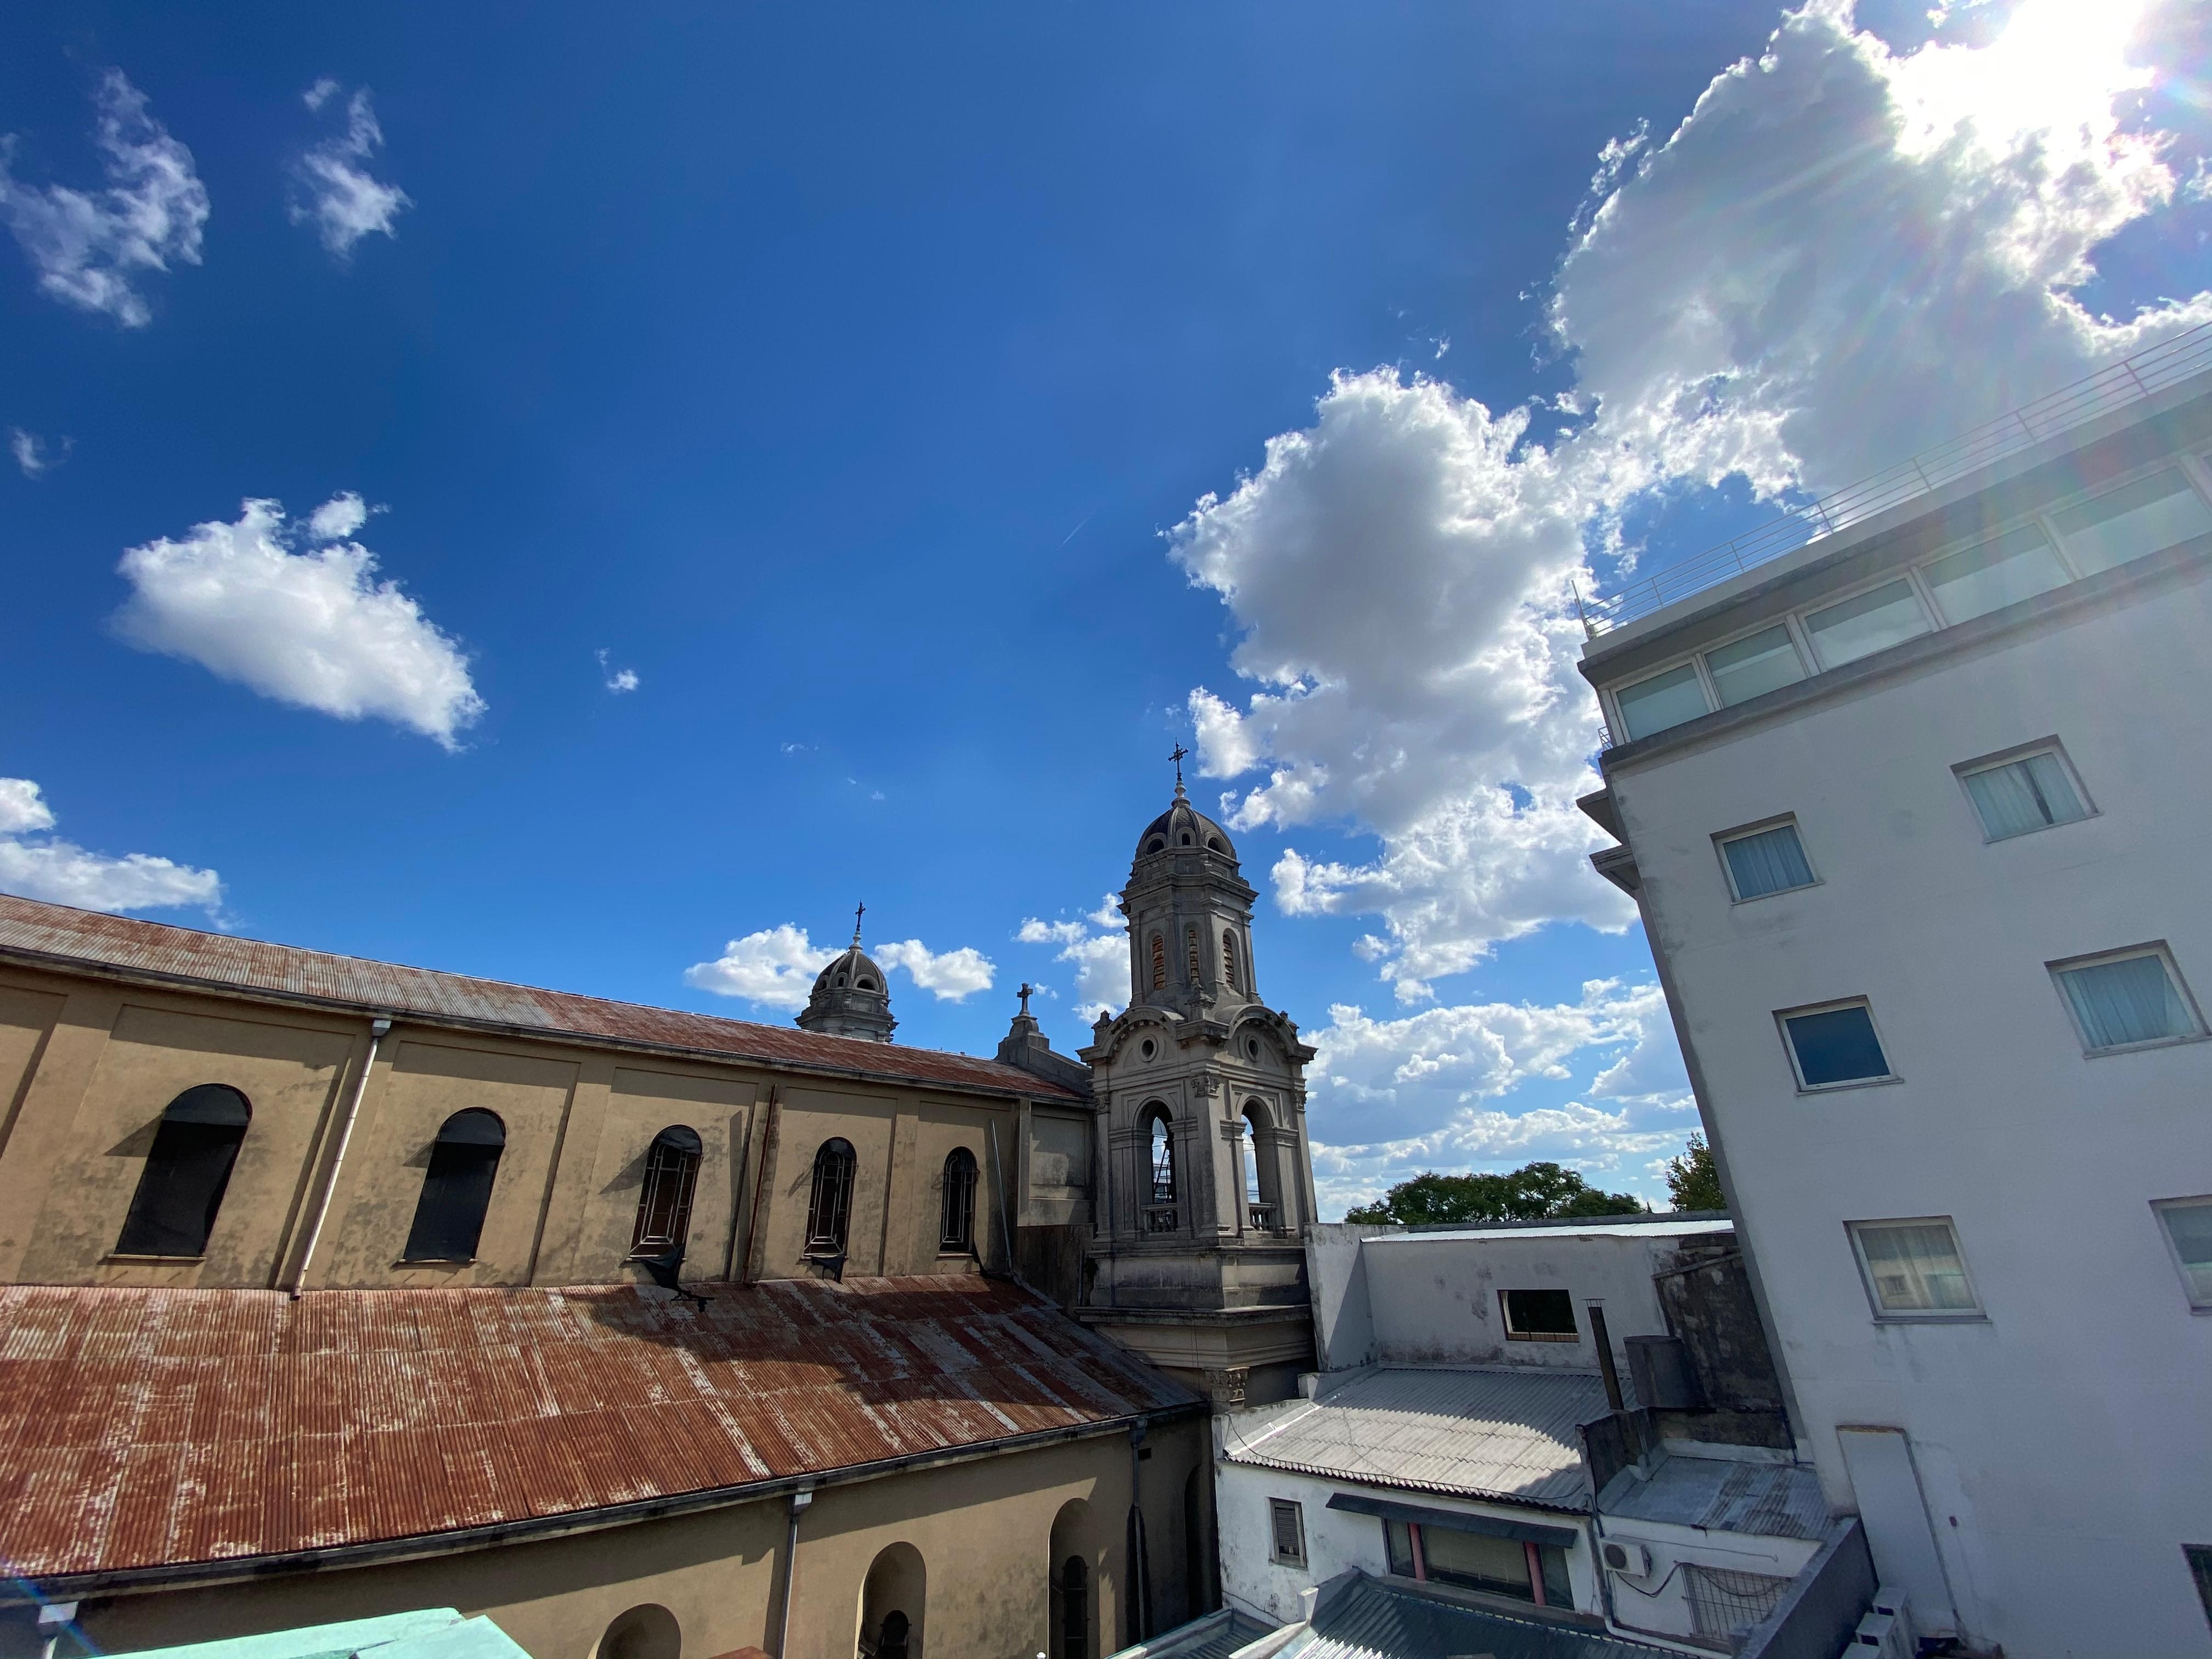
x: 2061, y: 1442
x: 87, y: 1068
x: 1658, y: 1602
x: 985, y: 1531
x: 1335, y: 1540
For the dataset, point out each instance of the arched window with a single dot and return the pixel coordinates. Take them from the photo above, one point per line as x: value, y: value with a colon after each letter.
x: 1229, y: 961
x: 893, y: 1604
x: 664, y: 1207
x: 449, y: 1216
x: 1159, y: 1139
x: 1074, y: 1631
x: 955, y: 1227
x: 1262, y: 1194
x: 831, y: 1208
x: 1159, y: 962
x: 187, y: 1168
x: 644, y: 1632
x: 1190, y: 937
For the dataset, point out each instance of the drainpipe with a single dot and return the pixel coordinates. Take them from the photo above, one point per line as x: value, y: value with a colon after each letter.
x: 378, y: 1029
x: 1140, y: 1586
x: 799, y: 1500
x: 54, y: 1618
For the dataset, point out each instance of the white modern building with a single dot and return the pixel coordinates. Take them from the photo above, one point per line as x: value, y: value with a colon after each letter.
x: 1916, y: 814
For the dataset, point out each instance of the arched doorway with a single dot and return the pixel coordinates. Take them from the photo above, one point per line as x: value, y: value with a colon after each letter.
x: 893, y: 1600
x: 649, y: 1632
x: 1072, y: 1565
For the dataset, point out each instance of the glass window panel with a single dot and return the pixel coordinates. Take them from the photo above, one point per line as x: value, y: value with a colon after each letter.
x: 1976, y: 581
x: 1837, y: 1045
x: 2033, y: 792
x: 2137, y: 519
x: 2190, y: 1226
x: 1914, y: 1267
x: 2134, y: 1000
x: 1559, y: 1588
x: 1771, y: 861
x: 1871, y: 621
x: 1662, y: 700
x: 1398, y: 1539
x: 1499, y: 1565
x: 1539, y: 1313
x: 1761, y: 663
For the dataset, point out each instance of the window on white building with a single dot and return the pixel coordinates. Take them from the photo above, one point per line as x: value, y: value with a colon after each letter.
x: 2127, y: 1000
x: 1913, y: 1268
x: 1991, y: 574
x: 1664, y: 700
x: 1835, y: 1046
x: 2023, y: 792
x: 1538, y: 1316
x: 2188, y: 1224
x: 1286, y: 1543
x: 1868, y: 622
x: 2132, y: 522
x: 1494, y: 1564
x: 1745, y: 668
x: 1763, y: 861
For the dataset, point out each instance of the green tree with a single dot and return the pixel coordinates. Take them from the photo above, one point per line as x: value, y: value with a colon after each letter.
x: 1534, y: 1192
x: 1692, y: 1181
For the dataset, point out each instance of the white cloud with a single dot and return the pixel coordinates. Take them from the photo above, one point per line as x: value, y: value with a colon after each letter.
x: 1101, y: 959
x: 313, y: 628
x: 89, y: 248
x: 343, y: 201
x: 41, y: 866
x: 949, y: 975
x: 619, y: 680
x: 773, y: 969
x: 1841, y: 253
x: 1419, y: 1090
x: 32, y: 453
x: 339, y: 519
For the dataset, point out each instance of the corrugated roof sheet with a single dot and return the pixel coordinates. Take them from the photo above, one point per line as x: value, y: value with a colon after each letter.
x: 1769, y: 1500
x: 1213, y: 1636
x: 1478, y: 1432
x: 54, y: 935
x: 145, y: 1427
x: 1368, y: 1620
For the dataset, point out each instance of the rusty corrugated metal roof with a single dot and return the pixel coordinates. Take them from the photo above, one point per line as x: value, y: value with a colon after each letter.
x: 143, y: 1428
x: 55, y: 935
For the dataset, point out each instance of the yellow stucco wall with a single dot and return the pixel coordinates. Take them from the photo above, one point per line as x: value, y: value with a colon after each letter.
x: 86, y: 1068
x: 986, y: 1530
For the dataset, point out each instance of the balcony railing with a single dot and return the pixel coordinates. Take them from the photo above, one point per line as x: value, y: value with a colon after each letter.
x: 2127, y: 381
x: 1162, y: 1218
x: 1261, y: 1216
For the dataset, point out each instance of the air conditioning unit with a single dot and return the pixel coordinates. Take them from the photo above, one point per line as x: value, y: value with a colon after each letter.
x: 1631, y: 1560
x: 1881, y: 1634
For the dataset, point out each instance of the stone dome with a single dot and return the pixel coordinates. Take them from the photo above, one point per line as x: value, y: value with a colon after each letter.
x: 850, y: 998
x: 1183, y: 826
x: 853, y: 969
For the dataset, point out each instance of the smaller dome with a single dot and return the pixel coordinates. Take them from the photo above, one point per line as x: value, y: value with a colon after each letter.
x: 850, y: 970
x: 1183, y: 828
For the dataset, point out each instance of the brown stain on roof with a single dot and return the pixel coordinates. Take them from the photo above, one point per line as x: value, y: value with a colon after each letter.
x: 146, y: 1428
x: 54, y: 935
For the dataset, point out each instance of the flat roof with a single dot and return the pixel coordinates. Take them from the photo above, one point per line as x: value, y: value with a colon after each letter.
x: 1498, y: 1433
x: 1766, y: 1500
x: 1657, y: 1229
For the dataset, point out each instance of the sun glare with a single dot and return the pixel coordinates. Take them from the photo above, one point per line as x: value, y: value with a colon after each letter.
x: 2056, y: 67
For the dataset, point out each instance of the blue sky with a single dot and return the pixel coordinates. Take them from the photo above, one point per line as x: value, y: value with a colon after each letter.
x: 934, y: 412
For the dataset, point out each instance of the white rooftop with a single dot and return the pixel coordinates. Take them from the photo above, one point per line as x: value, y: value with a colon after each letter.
x: 1592, y: 1228
x: 1474, y: 1431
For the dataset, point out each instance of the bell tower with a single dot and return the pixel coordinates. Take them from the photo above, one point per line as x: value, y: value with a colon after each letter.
x: 1206, y: 1179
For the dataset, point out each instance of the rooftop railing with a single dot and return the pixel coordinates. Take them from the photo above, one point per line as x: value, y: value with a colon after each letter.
x: 2127, y: 381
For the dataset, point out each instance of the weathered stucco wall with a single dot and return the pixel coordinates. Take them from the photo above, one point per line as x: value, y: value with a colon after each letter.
x: 986, y: 1532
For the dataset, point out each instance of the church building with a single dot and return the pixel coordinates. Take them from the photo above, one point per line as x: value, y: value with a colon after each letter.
x: 332, y: 1289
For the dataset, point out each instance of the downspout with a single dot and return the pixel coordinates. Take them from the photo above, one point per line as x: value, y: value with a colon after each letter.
x: 799, y: 1500
x: 1005, y: 1232
x: 378, y: 1029
x: 1141, y: 1577
x: 760, y: 1180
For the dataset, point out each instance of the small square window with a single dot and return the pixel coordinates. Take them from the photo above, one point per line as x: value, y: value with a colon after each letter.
x: 1763, y: 861
x: 1286, y: 1544
x: 1871, y: 621
x: 1662, y: 700
x: 1746, y: 668
x: 2127, y: 1000
x: 1835, y: 1047
x: 1913, y: 1268
x: 2188, y: 1224
x: 1538, y: 1316
x: 2022, y: 793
